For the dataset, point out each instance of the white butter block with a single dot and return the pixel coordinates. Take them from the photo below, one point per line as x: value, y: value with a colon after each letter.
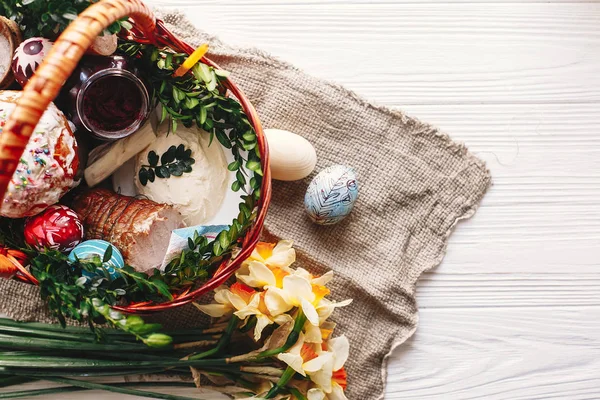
x: 106, y: 159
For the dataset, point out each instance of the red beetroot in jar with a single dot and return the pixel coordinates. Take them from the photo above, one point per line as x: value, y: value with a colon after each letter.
x: 107, y: 97
x: 112, y: 104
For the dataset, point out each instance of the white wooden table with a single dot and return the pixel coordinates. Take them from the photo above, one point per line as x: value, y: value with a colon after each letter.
x: 513, y: 312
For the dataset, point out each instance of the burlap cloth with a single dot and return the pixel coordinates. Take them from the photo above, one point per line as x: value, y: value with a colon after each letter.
x: 415, y: 185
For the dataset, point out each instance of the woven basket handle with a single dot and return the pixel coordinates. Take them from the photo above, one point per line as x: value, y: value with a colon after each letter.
x: 60, y: 63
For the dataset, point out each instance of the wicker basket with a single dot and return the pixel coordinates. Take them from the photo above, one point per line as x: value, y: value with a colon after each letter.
x: 45, y: 85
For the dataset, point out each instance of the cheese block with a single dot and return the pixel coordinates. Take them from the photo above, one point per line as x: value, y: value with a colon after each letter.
x: 106, y: 159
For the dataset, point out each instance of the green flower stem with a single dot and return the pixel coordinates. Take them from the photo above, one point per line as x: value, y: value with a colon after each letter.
x: 43, y: 373
x: 283, y: 381
x: 84, y: 334
x: 223, y: 342
x: 117, y: 389
x: 14, y: 380
x: 291, y: 340
x: 32, y: 343
x: 297, y: 394
x: 26, y: 331
x: 156, y: 340
x: 70, y: 389
x: 250, y: 325
x: 40, y: 362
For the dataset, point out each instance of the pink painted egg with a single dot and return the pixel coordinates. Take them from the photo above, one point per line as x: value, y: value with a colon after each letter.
x: 28, y: 57
x: 57, y: 228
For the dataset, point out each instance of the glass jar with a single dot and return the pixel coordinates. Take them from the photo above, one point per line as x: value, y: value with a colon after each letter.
x: 107, y: 97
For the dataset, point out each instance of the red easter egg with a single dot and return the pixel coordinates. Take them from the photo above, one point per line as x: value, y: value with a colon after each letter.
x: 57, y: 228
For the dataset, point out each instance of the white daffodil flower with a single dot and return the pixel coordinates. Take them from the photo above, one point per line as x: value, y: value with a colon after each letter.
x: 320, y: 371
x: 226, y: 302
x: 254, y: 308
x: 320, y: 280
x: 340, y: 347
x: 326, y: 307
x: 277, y: 301
x: 326, y: 371
x: 297, y: 291
x: 318, y: 334
x: 316, y: 394
x: 293, y: 356
x: 337, y: 393
x: 280, y: 255
x: 257, y: 275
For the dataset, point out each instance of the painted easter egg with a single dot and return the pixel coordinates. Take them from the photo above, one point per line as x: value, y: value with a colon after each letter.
x: 56, y: 228
x: 331, y: 195
x: 97, y: 248
x: 292, y: 157
x: 28, y: 57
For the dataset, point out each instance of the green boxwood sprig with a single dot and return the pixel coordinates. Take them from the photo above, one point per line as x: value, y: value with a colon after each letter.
x: 72, y: 296
x: 176, y: 161
x: 48, y: 18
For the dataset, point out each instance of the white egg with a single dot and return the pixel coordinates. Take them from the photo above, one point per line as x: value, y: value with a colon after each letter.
x: 292, y: 156
x: 331, y: 196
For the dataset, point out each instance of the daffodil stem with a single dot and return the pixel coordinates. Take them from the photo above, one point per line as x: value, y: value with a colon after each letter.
x: 116, y: 389
x: 283, y: 381
x: 223, y: 341
x: 291, y: 340
x: 297, y: 394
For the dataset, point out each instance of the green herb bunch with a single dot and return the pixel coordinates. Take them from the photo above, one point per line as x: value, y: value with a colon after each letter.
x: 88, y: 299
x: 48, y: 18
x: 176, y: 161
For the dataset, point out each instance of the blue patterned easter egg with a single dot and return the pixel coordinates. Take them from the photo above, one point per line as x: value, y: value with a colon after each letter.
x: 95, y: 247
x: 331, y: 195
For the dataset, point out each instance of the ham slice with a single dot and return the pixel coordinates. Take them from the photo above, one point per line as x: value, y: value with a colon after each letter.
x: 140, y: 228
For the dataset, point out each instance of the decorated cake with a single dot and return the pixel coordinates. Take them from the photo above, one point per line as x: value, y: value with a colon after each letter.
x: 48, y: 167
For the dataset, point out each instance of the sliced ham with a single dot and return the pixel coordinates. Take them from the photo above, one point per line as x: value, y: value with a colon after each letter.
x: 140, y: 228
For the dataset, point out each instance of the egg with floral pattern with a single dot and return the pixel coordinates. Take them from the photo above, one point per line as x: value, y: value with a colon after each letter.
x: 331, y: 195
x: 28, y: 57
x: 57, y: 228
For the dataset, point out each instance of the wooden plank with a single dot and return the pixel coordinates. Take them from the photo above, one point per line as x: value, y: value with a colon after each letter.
x: 500, y: 354
x: 446, y: 53
x: 541, y: 214
x: 255, y: 3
